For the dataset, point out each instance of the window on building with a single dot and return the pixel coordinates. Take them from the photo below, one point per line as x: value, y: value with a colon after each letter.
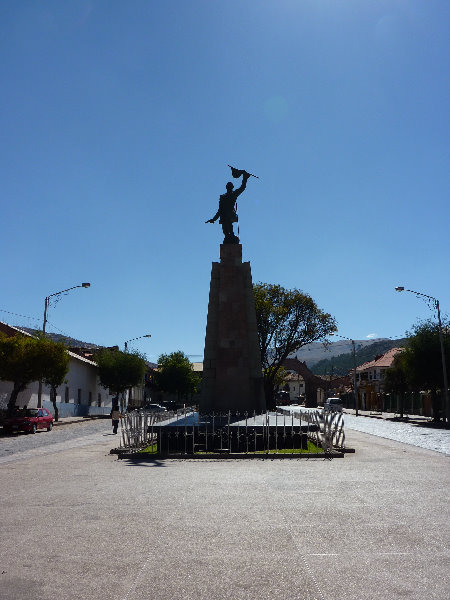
x: 66, y: 395
x: 79, y: 396
x: 99, y: 399
x: 90, y: 398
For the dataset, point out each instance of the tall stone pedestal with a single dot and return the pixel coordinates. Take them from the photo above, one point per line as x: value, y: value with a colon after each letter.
x: 232, y: 377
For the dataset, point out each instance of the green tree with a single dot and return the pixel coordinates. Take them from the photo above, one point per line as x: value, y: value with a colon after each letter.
x: 176, y: 375
x: 56, y: 368
x: 26, y: 359
x: 119, y: 371
x: 422, y: 359
x: 396, y: 379
x: 286, y: 320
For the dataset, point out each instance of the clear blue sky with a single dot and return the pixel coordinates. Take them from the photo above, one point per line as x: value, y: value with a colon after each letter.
x: 118, y: 120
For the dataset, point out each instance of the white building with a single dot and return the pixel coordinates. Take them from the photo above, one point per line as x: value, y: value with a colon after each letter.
x: 80, y: 395
x: 295, y: 385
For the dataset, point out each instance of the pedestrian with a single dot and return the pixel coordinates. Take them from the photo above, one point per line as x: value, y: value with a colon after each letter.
x: 116, y: 415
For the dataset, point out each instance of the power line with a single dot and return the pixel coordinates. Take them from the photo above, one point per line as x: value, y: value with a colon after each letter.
x: 17, y: 314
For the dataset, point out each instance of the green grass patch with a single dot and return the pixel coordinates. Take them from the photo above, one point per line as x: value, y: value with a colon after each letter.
x: 152, y: 449
x: 311, y: 449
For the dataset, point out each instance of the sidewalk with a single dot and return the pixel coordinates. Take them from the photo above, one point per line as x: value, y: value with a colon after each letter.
x: 69, y: 420
x: 388, y: 416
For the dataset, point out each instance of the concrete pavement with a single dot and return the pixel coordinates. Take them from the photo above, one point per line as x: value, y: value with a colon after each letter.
x: 82, y: 524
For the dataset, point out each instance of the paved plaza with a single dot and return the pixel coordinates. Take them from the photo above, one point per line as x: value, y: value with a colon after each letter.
x: 77, y: 523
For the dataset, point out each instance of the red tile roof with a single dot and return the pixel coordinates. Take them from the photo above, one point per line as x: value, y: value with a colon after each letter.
x: 384, y: 361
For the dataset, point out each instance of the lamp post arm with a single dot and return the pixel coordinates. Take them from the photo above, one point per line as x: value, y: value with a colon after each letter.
x: 62, y: 291
x: 436, y: 302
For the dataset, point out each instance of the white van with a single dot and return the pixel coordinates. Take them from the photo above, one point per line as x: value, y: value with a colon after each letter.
x: 333, y: 405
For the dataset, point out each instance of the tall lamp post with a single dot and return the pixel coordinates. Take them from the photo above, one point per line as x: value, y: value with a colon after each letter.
x: 400, y: 288
x: 46, y: 305
x: 355, y: 393
x: 147, y: 335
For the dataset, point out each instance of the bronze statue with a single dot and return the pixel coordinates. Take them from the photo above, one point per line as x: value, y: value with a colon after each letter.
x: 227, y: 206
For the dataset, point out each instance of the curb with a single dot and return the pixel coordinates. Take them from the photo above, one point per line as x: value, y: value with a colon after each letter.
x: 142, y: 457
x: 70, y: 421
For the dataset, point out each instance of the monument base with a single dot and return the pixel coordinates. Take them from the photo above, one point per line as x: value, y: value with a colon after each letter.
x: 232, y: 375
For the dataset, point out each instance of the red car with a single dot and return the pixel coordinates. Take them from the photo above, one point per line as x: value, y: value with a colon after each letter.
x: 29, y: 420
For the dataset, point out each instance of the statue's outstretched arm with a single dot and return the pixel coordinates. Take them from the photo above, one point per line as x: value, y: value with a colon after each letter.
x: 245, y: 177
x: 215, y: 217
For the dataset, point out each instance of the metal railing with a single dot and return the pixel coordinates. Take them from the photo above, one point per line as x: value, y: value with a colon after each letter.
x: 188, y: 432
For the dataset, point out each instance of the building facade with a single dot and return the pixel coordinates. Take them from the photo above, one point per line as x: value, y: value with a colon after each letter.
x: 80, y: 395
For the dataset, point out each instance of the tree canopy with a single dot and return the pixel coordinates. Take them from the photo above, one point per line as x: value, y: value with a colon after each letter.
x: 286, y: 320
x: 419, y: 366
x: 176, y: 375
x: 422, y: 357
x: 26, y: 359
x: 118, y: 370
x: 56, y: 368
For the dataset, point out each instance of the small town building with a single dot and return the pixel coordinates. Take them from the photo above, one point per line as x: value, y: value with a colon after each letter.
x: 370, y: 380
x: 80, y: 395
x: 294, y: 384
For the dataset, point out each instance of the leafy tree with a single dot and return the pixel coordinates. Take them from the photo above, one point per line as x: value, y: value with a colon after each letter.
x: 176, y: 375
x: 56, y: 368
x: 396, y: 379
x: 422, y: 359
x: 286, y: 320
x: 26, y: 359
x: 119, y: 371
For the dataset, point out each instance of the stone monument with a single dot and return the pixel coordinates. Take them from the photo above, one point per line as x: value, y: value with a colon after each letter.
x: 232, y: 374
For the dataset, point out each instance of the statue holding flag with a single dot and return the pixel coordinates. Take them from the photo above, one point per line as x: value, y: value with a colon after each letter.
x: 227, y: 206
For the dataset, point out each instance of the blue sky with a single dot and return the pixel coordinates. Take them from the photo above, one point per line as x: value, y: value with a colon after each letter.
x: 118, y: 120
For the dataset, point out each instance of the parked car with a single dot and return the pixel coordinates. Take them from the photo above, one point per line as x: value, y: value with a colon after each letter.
x: 155, y: 408
x: 333, y: 405
x: 283, y: 398
x: 29, y: 420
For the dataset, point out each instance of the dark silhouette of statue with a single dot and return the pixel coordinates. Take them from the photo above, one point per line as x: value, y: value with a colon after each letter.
x: 227, y: 207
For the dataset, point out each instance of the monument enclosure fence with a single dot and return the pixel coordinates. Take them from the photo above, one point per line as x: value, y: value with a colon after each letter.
x: 188, y: 433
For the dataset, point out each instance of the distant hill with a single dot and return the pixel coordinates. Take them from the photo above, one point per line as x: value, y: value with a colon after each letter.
x: 57, y: 337
x: 341, y: 364
x: 315, y: 352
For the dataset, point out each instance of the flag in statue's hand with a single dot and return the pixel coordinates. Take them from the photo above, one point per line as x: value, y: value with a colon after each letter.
x: 236, y: 173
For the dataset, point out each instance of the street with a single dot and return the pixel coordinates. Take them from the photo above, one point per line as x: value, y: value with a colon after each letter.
x: 62, y: 437
x: 79, y: 523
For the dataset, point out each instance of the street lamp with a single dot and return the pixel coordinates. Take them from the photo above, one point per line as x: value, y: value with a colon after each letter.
x: 400, y: 288
x: 46, y: 305
x: 147, y: 335
x: 355, y: 394
x: 47, y: 300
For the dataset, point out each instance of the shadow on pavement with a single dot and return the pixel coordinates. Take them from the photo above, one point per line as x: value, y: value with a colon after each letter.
x: 145, y: 462
x: 415, y: 423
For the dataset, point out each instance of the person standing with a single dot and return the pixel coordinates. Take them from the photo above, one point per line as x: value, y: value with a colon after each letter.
x: 116, y: 415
